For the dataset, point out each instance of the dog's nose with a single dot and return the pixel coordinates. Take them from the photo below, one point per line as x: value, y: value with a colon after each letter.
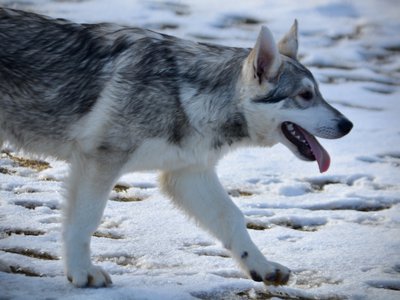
x: 345, y: 126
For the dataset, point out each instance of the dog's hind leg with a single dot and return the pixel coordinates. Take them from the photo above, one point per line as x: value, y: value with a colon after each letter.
x: 202, y: 196
x: 90, y: 182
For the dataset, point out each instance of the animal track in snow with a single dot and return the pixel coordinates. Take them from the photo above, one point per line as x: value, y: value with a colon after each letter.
x: 5, y: 232
x: 299, y: 223
x: 25, y: 271
x: 311, y: 279
x: 321, y: 183
x: 388, y: 284
x: 33, y: 204
x: 205, y: 248
x: 308, y: 224
x: 38, y: 254
x: 121, y: 260
x: 212, y: 251
x: 108, y: 235
x: 289, y: 238
x: 358, y: 203
x: 7, y: 171
x: 391, y: 158
x: 197, y: 244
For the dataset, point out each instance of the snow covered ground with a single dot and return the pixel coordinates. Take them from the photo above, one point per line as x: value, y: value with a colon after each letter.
x: 339, y: 231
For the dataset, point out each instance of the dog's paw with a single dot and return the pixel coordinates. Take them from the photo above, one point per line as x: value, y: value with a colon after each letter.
x: 270, y: 273
x: 260, y: 269
x: 91, y: 277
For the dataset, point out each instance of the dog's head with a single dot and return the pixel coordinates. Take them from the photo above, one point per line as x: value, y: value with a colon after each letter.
x: 282, y: 102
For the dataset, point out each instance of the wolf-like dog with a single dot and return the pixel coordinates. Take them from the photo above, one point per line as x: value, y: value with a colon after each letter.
x: 111, y: 99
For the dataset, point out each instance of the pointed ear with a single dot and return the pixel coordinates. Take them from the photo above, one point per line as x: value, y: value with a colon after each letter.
x: 289, y: 44
x: 265, y: 57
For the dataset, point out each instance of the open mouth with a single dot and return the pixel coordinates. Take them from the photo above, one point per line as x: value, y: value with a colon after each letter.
x: 307, y: 145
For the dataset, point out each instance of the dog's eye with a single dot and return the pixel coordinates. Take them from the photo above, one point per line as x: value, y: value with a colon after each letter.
x: 306, y: 95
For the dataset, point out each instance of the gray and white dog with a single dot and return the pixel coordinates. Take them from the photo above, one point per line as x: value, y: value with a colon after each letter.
x: 111, y: 99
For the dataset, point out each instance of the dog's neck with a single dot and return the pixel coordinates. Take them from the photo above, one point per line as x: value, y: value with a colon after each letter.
x: 210, y: 84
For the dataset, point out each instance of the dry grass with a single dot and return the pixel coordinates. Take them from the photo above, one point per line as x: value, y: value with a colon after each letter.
x: 38, y: 165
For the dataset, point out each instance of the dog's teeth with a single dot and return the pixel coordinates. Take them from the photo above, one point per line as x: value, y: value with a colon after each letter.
x: 290, y: 127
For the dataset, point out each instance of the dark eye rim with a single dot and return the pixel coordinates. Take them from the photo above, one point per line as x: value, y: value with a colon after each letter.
x: 306, y: 95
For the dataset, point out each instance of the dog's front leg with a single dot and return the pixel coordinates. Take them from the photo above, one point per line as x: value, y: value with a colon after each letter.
x: 87, y: 193
x: 201, y: 195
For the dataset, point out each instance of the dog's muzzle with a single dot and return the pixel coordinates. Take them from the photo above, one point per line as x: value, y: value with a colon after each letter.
x: 308, y: 147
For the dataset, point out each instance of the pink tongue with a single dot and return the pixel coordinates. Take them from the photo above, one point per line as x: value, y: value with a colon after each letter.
x: 320, y: 153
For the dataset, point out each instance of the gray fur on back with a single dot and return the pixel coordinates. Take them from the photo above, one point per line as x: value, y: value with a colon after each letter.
x: 53, y: 73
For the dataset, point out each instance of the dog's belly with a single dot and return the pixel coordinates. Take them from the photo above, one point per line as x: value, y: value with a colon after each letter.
x: 159, y: 154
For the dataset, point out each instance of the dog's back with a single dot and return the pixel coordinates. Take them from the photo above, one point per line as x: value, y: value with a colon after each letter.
x: 51, y: 73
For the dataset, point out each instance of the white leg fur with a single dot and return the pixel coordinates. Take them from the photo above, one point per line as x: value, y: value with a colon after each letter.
x: 87, y: 193
x: 200, y: 194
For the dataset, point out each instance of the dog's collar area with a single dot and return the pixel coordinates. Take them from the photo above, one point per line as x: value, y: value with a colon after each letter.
x: 307, y: 145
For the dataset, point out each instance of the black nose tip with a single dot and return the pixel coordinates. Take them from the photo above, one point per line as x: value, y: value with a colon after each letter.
x: 345, y: 126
